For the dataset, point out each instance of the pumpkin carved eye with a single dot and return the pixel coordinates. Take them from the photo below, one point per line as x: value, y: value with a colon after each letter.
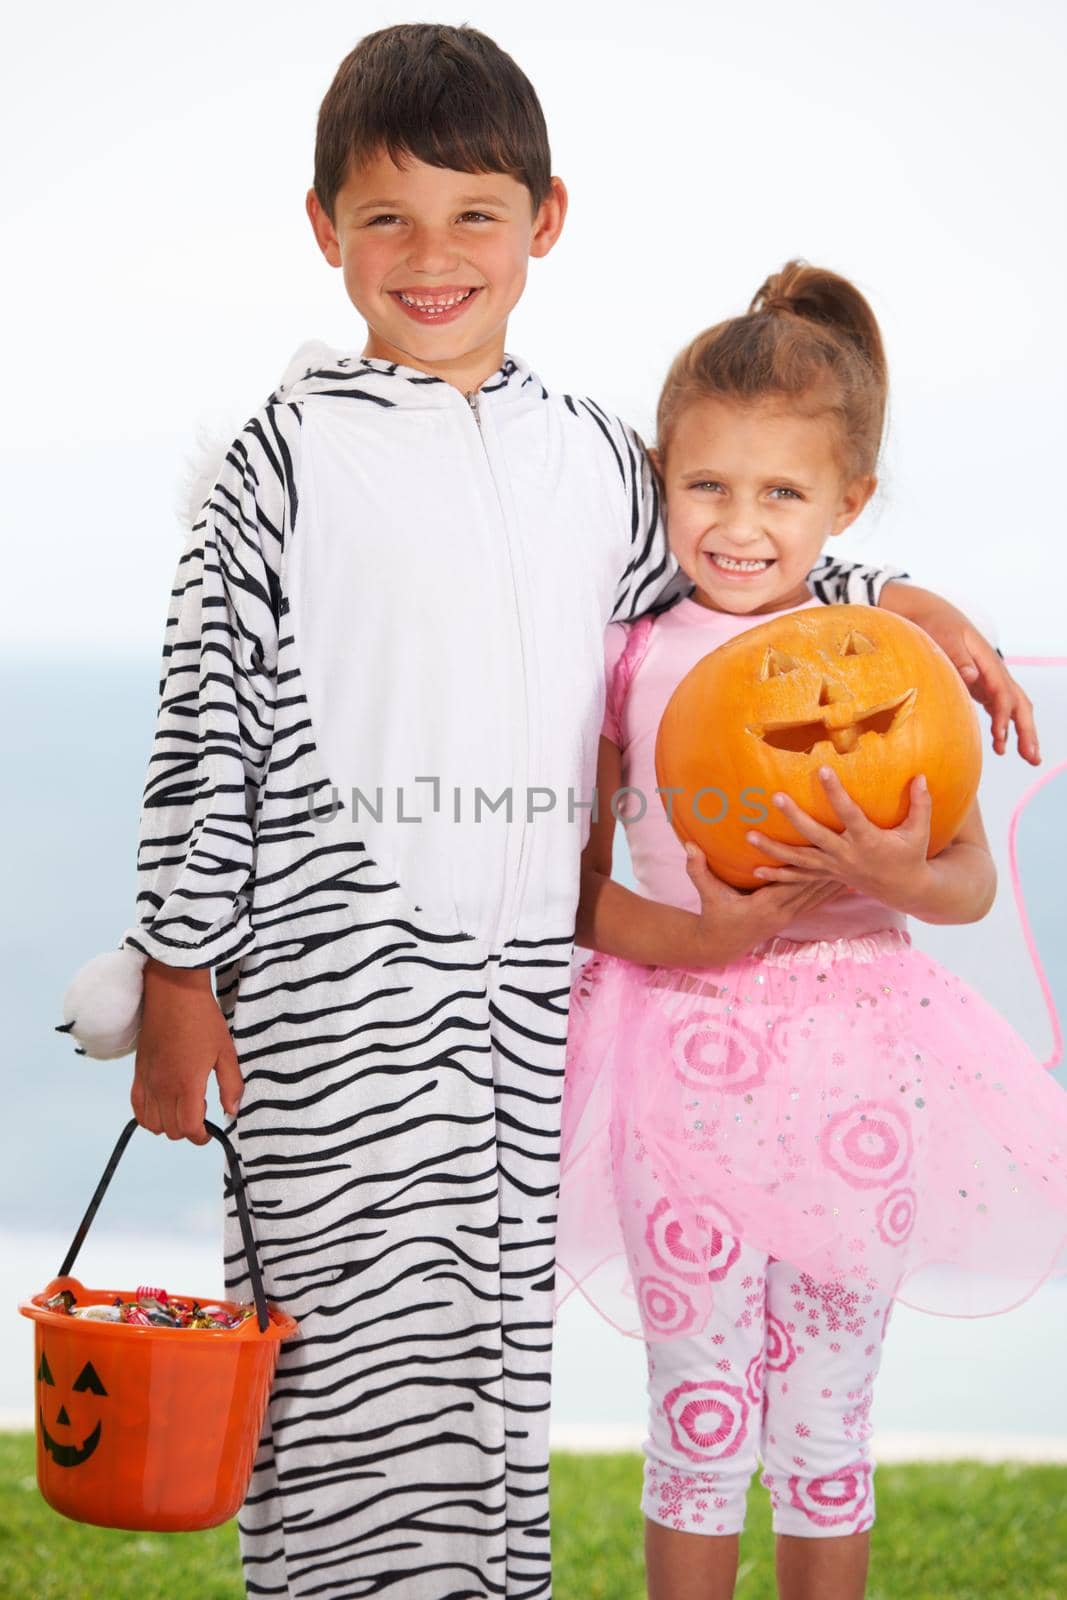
x: 44, y: 1371
x: 88, y: 1379
x: 776, y: 663
x: 857, y: 644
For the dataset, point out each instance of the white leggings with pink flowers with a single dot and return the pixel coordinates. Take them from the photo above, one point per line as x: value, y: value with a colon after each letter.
x: 785, y: 1371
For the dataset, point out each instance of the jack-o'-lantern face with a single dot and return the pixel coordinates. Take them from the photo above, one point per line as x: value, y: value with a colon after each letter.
x: 834, y: 702
x: 848, y: 687
x: 68, y: 1452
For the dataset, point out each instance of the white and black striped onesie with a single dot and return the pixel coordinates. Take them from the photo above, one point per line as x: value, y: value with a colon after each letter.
x: 393, y: 588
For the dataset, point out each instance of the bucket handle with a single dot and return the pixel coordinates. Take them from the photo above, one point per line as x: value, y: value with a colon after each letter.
x: 251, y: 1257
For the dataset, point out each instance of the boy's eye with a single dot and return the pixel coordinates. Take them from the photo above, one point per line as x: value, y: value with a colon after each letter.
x: 475, y: 216
x: 706, y: 483
x: 785, y: 492
x: 385, y: 216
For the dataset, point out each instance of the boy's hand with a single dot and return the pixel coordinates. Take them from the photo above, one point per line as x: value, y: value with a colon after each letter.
x: 889, y: 864
x: 976, y: 661
x: 183, y: 1039
x: 735, y: 920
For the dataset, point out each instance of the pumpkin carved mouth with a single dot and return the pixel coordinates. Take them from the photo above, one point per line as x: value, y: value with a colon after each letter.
x: 841, y: 724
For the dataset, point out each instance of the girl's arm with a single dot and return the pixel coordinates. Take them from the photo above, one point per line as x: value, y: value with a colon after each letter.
x: 959, y: 884
x: 615, y: 920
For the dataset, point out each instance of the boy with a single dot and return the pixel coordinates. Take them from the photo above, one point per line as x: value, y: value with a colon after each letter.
x: 382, y: 692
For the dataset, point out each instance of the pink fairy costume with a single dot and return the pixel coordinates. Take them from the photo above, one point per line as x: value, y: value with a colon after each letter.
x: 767, y: 1153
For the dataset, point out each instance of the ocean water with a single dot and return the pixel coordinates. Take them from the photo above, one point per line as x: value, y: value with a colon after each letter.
x: 80, y: 731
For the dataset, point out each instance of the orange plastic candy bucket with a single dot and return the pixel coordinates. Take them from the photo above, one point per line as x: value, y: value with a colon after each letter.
x: 150, y: 1427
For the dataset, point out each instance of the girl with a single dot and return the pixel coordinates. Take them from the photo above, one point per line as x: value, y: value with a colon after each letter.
x: 781, y: 1113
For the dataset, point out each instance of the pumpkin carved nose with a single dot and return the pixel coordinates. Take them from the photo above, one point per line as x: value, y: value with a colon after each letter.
x: 838, y: 715
x: 844, y: 737
x: 63, y: 1416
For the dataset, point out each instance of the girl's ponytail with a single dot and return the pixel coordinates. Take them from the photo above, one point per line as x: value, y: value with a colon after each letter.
x: 809, y: 338
x: 824, y: 297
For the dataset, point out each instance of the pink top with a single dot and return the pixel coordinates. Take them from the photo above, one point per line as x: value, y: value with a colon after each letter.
x: 677, y: 640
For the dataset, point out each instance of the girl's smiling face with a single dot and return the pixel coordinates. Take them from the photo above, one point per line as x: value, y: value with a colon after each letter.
x: 753, y: 492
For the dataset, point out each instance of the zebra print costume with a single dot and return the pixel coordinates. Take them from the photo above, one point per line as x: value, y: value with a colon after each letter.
x: 392, y: 586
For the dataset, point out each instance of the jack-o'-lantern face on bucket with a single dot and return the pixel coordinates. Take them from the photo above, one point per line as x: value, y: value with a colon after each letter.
x: 848, y: 687
x: 67, y: 1451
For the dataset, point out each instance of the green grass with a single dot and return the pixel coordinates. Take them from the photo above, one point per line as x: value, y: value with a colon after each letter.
x: 944, y: 1532
x: 953, y: 1532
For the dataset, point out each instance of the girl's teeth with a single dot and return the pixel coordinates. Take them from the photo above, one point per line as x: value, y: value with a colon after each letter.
x: 732, y: 565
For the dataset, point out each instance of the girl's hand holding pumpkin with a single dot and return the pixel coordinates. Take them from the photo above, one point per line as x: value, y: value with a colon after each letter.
x: 733, y: 921
x: 183, y: 1039
x: 889, y: 864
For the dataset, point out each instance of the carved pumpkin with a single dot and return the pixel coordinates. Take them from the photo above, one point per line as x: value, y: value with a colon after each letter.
x: 848, y: 687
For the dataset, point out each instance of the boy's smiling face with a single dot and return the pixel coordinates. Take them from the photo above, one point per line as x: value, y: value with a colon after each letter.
x: 435, y: 260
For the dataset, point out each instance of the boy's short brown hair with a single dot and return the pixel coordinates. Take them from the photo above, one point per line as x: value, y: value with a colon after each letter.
x: 447, y: 96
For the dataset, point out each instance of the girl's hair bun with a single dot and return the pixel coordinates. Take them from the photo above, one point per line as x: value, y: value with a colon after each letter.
x: 824, y: 297
x: 809, y: 338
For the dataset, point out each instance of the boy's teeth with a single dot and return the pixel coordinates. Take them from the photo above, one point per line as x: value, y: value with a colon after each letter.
x: 733, y: 565
x: 426, y: 302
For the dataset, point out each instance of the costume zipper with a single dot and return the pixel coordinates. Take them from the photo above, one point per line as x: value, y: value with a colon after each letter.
x: 473, y: 401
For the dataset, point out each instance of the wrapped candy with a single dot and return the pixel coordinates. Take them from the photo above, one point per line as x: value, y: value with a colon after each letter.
x: 162, y: 1319
x: 144, y: 1293
x: 154, y: 1308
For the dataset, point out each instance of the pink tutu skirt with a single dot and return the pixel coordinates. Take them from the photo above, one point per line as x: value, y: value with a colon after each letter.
x: 847, y: 1106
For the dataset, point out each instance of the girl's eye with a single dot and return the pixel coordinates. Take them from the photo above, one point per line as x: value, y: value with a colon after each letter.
x: 706, y: 483
x: 785, y: 492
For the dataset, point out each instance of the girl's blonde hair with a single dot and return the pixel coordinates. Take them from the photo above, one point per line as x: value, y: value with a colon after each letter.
x: 809, y: 338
